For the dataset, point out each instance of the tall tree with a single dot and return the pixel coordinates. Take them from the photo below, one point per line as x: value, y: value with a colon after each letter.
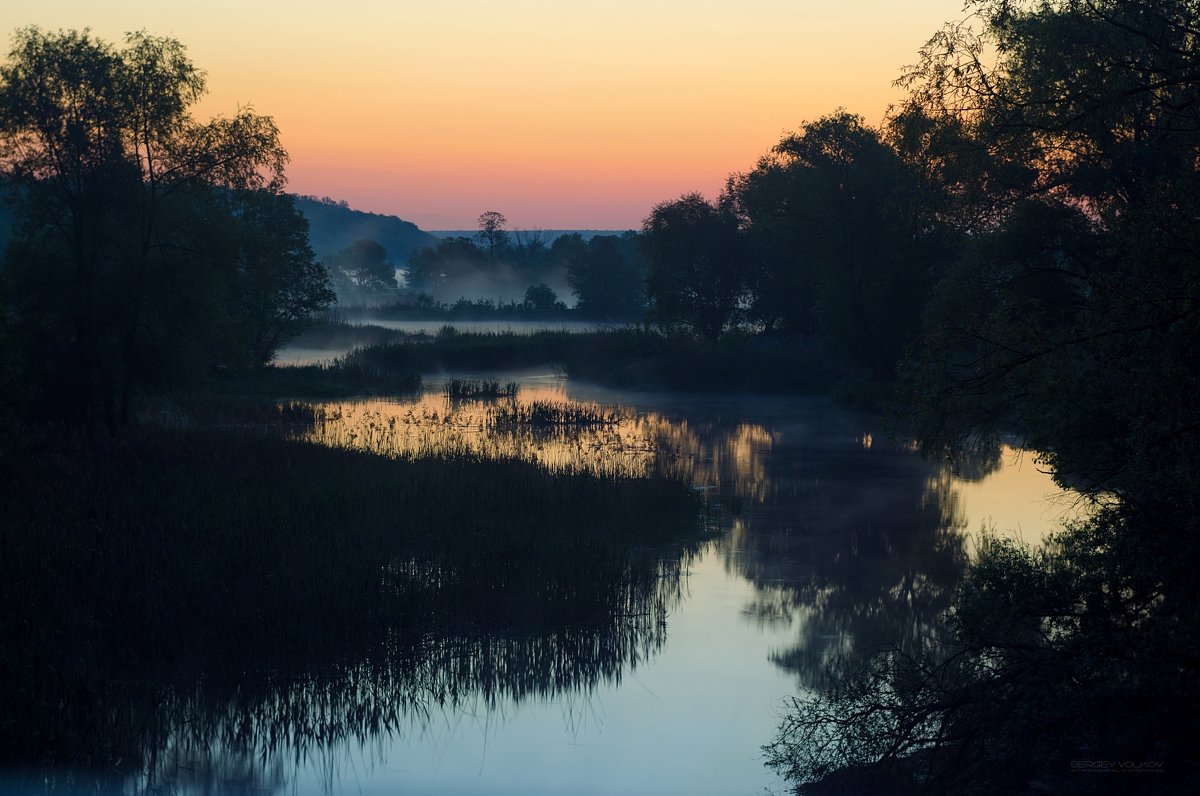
x: 492, y: 233
x: 1071, y: 318
x: 278, y: 285
x: 118, y: 186
x: 841, y: 242
x: 362, y: 268
x: 697, y: 276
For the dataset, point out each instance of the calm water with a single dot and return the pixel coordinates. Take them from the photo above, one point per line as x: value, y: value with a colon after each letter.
x: 834, y: 538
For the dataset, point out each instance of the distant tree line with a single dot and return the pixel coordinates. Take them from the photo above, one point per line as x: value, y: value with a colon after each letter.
x: 148, y: 248
x: 606, y: 274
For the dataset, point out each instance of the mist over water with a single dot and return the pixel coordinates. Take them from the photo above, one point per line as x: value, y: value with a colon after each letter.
x: 499, y: 283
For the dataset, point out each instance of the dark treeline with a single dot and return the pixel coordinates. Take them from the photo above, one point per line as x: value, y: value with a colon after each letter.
x: 1026, y: 225
x: 497, y: 273
x: 633, y: 358
x: 148, y: 249
x: 834, y: 239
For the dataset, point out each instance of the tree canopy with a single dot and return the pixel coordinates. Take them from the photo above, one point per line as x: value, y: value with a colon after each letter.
x: 361, y: 269
x: 137, y: 242
x: 697, y: 275
x: 1061, y: 138
x: 841, y: 243
x: 608, y: 277
x: 492, y: 233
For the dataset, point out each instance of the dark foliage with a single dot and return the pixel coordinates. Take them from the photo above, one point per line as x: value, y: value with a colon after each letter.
x: 149, y: 248
x: 129, y: 576
x: 1069, y: 164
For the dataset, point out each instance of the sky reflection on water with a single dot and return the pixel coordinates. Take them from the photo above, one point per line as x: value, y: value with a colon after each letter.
x: 835, y: 538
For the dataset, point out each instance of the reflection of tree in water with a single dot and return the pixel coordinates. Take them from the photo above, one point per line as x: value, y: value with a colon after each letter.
x: 853, y: 540
x: 849, y: 534
x: 850, y: 537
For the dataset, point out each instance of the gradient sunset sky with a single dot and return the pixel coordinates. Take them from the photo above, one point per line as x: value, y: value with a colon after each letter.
x: 558, y: 113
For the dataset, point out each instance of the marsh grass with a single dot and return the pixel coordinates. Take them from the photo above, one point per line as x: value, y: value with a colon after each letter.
x: 604, y: 440
x: 334, y: 334
x: 231, y: 412
x: 480, y: 389
x: 552, y: 414
x: 190, y: 557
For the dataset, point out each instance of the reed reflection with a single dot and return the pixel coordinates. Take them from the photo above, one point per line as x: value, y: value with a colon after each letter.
x: 543, y: 424
x: 334, y: 600
x: 251, y: 731
x: 847, y: 534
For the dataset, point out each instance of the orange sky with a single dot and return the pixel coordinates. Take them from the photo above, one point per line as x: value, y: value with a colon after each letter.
x: 558, y: 113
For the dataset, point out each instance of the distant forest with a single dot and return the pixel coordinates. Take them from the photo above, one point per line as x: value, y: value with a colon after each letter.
x: 388, y: 264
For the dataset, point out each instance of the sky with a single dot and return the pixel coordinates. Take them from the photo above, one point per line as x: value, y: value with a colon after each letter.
x: 558, y: 113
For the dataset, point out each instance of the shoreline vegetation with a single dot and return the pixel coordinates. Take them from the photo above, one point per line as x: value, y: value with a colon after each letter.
x: 1015, y: 247
x: 635, y: 358
x: 189, y: 555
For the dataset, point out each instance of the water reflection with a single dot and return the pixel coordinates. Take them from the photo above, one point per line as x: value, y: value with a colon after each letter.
x: 848, y: 535
x: 250, y: 732
x: 549, y: 425
x: 847, y: 538
x: 598, y: 439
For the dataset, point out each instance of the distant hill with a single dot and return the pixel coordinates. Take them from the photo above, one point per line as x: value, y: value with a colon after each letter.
x: 332, y: 226
x: 547, y: 235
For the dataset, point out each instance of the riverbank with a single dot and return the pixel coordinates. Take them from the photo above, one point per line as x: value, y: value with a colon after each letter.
x: 636, y: 358
x: 185, y: 555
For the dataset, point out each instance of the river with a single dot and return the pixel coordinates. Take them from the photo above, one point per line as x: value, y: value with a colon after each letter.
x: 833, y: 537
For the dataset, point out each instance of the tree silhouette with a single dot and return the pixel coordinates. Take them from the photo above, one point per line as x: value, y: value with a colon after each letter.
x: 1064, y: 136
x: 608, y: 277
x: 362, y: 267
x: 122, y: 196
x: 842, y: 244
x: 696, y: 275
x: 491, y: 232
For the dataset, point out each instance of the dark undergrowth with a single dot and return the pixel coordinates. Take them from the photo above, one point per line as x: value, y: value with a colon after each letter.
x: 625, y: 358
x: 188, y: 557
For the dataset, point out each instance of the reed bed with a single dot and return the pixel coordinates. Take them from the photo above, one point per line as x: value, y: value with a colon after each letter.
x: 553, y: 414
x: 624, y: 447
x: 192, y: 557
x: 636, y: 358
x: 480, y: 389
